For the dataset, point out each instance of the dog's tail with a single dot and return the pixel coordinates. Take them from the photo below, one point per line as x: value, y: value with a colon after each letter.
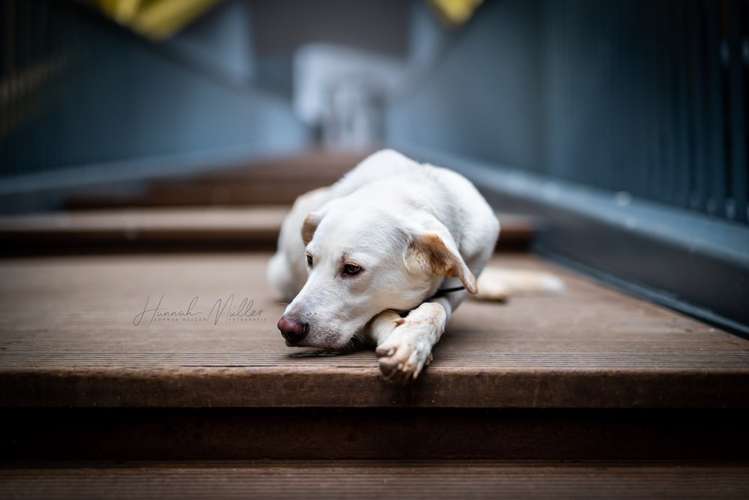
x: 497, y: 284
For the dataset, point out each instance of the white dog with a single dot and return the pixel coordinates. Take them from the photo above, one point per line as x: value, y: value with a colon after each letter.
x: 392, y: 238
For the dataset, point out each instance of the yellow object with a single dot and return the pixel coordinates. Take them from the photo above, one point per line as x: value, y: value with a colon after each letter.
x: 456, y: 12
x: 156, y: 19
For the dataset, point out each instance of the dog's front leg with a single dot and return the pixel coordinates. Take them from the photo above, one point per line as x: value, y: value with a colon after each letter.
x: 404, y: 345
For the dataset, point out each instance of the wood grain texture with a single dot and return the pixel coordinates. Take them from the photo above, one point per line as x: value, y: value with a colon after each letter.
x: 377, y: 480
x: 213, y: 229
x: 270, y: 181
x: 68, y: 338
x: 187, y: 229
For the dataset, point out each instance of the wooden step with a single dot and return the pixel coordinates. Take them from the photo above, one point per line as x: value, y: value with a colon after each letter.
x: 68, y: 338
x: 270, y: 181
x: 589, y: 374
x: 366, y: 479
x: 212, y: 229
x: 136, y: 230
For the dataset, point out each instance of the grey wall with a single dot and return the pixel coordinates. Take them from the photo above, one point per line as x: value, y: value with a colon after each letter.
x: 647, y: 97
x: 482, y: 99
x: 282, y: 26
x: 120, y: 98
x: 635, y: 101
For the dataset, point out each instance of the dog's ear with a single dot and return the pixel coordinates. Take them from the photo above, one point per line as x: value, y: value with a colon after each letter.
x: 310, y: 226
x: 435, y: 252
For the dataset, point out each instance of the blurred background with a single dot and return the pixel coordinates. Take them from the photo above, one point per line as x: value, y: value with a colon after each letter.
x: 620, y: 126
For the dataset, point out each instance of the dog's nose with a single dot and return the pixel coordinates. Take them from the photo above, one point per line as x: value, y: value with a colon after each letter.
x: 292, y: 330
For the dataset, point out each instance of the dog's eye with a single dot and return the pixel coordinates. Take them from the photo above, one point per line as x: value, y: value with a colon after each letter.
x: 309, y: 260
x: 351, y: 270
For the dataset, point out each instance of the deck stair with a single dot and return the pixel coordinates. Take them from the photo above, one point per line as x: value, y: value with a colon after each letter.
x: 591, y: 392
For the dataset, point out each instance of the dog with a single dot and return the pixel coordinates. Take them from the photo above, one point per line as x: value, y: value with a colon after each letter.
x: 384, y: 257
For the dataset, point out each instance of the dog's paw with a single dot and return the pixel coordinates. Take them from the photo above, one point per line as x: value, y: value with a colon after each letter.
x: 408, y: 349
x: 403, y: 362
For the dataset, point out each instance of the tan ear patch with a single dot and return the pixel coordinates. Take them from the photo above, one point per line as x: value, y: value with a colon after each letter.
x: 433, y: 254
x: 309, y: 227
x: 437, y: 256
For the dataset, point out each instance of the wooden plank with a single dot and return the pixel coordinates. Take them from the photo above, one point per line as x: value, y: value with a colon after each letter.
x: 185, y: 230
x: 68, y: 338
x: 131, y: 230
x: 376, y: 480
x: 270, y: 181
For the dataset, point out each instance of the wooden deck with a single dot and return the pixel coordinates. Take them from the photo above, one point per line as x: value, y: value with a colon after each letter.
x: 276, y: 181
x: 377, y: 480
x: 70, y: 337
x: 210, y: 229
x: 87, y: 375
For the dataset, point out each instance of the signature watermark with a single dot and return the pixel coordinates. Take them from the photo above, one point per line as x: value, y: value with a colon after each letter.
x: 228, y: 308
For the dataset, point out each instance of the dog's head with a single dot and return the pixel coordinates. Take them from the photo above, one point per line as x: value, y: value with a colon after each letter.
x: 361, y: 261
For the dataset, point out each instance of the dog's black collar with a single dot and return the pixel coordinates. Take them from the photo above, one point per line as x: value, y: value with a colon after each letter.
x: 445, y: 291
